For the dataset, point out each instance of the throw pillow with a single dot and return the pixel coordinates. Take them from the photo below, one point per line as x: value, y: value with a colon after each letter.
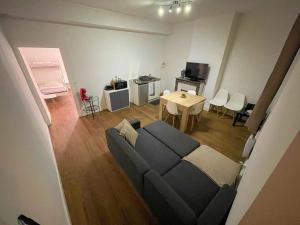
x: 127, y: 131
x: 120, y: 125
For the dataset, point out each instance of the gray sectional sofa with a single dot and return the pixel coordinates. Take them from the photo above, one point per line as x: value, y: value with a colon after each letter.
x: 177, y: 192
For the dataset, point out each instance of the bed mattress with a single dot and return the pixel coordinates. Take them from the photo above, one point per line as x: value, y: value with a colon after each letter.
x: 52, y: 88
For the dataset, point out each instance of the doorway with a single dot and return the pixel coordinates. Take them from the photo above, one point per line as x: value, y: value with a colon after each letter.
x: 48, y: 81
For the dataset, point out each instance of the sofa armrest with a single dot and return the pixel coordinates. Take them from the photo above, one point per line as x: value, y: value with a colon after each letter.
x: 217, y: 210
x: 131, y: 162
x: 165, y: 203
x: 136, y: 124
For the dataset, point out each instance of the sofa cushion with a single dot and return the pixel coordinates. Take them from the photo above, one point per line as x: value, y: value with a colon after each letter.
x: 179, y: 142
x: 192, y: 185
x: 159, y: 157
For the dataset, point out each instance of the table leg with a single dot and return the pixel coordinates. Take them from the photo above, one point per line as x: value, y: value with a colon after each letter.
x: 184, y: 118
x: 236, y: 118
x: 160, y: 110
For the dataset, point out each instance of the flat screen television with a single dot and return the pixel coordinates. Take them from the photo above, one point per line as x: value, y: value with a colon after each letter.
x: 196, y: 71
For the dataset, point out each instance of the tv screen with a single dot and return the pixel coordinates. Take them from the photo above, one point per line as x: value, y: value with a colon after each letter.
x: 196, y: 71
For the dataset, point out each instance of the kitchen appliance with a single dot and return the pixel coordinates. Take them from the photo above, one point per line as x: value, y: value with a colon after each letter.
x: 153, y: 91
x: 109, y: 87
x: 145, y: 89
x: 138, y: 92
x: 121, y: 84
x: 143, y: 94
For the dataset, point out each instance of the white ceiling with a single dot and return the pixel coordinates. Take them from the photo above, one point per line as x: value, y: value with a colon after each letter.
x: 200, y: 8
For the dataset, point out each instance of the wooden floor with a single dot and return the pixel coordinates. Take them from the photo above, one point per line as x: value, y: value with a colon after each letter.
x: 96, y: 189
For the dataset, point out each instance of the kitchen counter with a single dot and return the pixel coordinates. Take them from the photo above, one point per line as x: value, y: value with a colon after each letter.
x: 143, y: 91
x: 139, y: 82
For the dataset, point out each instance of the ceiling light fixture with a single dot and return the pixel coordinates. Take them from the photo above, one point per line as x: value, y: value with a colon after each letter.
x: 176, y: 5
x: 187, y: 8
x: 178, y: 9
x: 161, y: 11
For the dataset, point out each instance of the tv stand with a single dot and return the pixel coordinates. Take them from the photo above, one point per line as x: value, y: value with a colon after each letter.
x: 186, y: 82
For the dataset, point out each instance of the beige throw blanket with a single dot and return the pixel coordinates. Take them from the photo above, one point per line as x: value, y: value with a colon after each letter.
x: 217, y: 166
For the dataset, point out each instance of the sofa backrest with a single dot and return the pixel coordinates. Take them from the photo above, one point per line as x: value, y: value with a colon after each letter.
x: 156, y: 154
x: 165, y: 203
x: 133, y: 164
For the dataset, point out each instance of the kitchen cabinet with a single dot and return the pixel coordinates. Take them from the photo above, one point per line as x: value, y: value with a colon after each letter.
x: 116, y: 99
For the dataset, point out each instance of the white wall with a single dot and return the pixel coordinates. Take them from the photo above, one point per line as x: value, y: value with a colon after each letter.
x: 277, y: 133
x: 241, y: 50
x: 210, y: 39
x: 204, y: 40
x: 176, y: 50
x: 30, y: 182
x: 259, y: 40
x: 110, y: 44
x: 92, y: 57
x: 63, y: 12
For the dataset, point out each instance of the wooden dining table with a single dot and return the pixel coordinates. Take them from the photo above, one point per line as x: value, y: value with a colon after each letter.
x: 184, y: 105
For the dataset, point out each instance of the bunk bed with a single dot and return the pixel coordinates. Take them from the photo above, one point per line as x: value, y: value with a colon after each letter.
x: 49, y: 78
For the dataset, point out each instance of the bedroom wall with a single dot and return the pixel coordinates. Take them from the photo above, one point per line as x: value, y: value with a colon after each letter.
x: 260, y: 37
x: 42, y: 75
x: 276, y: 135
x: 30, y: 182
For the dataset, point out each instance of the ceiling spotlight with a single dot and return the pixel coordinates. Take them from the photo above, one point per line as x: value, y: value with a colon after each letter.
x: 187, y: 8
x: 174, y: 5
x: 161, y: 11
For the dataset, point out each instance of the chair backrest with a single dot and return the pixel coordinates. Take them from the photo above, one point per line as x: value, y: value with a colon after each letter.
x: 165, y: 92
x: 197, y: 109
x: 172, y: 108
x: 222, y: 94
x: 237, y: 99
x: 192, y: 92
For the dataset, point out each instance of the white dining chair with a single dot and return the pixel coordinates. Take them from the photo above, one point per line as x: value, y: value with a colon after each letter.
x: 173, y: 111
x: 196, y: 113
x: 219, y: 100
x: 235, y: 104
x: 192, y: 92
x: 165, y: 92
